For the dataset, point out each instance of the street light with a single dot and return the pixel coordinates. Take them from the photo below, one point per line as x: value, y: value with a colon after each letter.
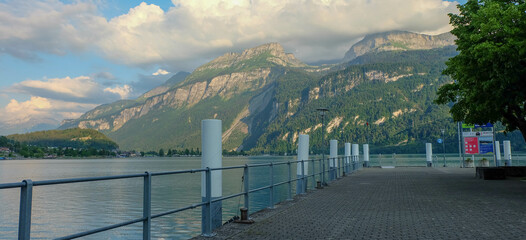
x: 323, y: 112
x: 443, y: 146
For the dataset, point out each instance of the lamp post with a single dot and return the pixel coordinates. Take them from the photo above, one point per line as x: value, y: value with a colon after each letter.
x: 443, y: 146
x: 323, y: 112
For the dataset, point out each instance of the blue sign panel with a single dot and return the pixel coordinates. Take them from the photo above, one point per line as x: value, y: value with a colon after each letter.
x: 487, y: 125
x: 439, y: 140
x: 485, y: 145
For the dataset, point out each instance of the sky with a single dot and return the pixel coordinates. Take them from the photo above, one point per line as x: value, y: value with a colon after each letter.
x: 59, y: 59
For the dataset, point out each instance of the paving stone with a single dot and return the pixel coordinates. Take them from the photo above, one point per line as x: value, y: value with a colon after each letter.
x: 399, y: 203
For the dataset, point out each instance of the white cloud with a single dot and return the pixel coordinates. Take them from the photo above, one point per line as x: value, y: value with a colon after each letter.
x: 41, y: 108
x: 194, y: 31
x: 82, y: 89
x: 160, y: 72
x: 52, y: 100
x: 123, y: 91
x: 32, y: 27
x: 312, y: 29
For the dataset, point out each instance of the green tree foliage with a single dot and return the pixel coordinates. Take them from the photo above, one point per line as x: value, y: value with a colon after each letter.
x: 490, y: 71
x: 393, y: 91
x: 72, y: 138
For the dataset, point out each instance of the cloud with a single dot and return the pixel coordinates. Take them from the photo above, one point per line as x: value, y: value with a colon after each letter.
x: 146, y: 83
x: 41, y: 108
x: 104, y: 75
x: 160, y: 72
x: 123, y: 91
x: 32, y: 27
x: 311, y: 29
x: 192, y: 32
x: 82, y: 89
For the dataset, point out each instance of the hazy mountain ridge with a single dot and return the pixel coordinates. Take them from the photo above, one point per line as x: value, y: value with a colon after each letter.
x: 267, y: 97
x: 227, y: 79
x: 398, y: 41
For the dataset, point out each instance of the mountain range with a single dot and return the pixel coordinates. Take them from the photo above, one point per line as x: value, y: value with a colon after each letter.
x: 381, y: 92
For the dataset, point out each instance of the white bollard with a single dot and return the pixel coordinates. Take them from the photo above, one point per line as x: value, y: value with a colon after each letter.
x: 212, y: 158
x: 333, y: 163
x: 497, y: 154
x: 355, y: 154
x: 347, y: 157
x: 303, y: 154
x: 366, y: 155
x: 507, y: 152
x: 429, y: 154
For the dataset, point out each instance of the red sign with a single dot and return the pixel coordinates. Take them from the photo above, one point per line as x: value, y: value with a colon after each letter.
x: 471, y: 145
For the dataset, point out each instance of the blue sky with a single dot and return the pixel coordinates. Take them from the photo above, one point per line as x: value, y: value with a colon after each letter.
x: 59, y: 59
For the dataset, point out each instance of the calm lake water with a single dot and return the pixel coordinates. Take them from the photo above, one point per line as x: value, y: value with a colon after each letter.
x: 61, y: 210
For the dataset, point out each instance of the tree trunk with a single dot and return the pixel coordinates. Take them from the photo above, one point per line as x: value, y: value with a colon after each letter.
x: 522, y: 128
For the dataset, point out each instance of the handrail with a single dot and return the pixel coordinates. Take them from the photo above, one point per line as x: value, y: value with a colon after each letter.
x: 26, y: 187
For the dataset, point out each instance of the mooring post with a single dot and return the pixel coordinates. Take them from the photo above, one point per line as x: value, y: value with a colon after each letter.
x: 356, y: 154
x: 497, y: 154
x: 212, y: 149
x: 507, y: 152
x: 303, y: 166
x: 429, y: 154
x: 333, y: 164
x: 365, y: 155
x: 347, y: 156
x: 24, y: 219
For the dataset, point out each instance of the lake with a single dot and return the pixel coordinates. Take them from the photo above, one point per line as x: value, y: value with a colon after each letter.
x: 60, y: 210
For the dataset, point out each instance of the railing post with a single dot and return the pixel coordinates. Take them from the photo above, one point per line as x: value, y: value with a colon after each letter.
x: 313, y: 175
x: 303, y: 182
x: 24, y: 219
x: 290, y: 181
x: 343, y: 166
x: 247, y: 188
x: 147, y: 207
x: 207, y: 226
x: 322, y: 170
x: 271, y: 197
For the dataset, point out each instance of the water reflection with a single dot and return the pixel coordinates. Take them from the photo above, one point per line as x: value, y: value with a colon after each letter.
x: 60, y: 210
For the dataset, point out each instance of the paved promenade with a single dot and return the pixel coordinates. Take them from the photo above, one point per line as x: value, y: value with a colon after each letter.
x: 399, y: 203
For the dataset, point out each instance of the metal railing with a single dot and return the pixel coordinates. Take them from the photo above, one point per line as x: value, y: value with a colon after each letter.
x: 346, y: 165
x: 452, y: 160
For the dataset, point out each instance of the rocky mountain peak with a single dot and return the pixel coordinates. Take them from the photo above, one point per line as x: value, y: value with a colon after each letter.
x: 398, y: 41
x: 270, y: 52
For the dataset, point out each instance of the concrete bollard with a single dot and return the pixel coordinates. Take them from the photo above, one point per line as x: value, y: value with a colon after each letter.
x: 356, y: 155
x: 211, y: 158
x: 333, y: 163
x: 366, y: 155
x: 497, y: 154
x: 429, y: 154
x: 303, y: 154
x: 507, y: 152
x: 347, y: 157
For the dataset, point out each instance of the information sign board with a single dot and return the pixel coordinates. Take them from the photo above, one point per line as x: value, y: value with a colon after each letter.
x: 471, y: 145
x: 487, y: 125
x: 466, y: 125
x: 478, y: 134
x: 485, y: 145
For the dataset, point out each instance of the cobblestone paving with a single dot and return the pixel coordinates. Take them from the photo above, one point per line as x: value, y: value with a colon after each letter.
x: 399, y: 203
